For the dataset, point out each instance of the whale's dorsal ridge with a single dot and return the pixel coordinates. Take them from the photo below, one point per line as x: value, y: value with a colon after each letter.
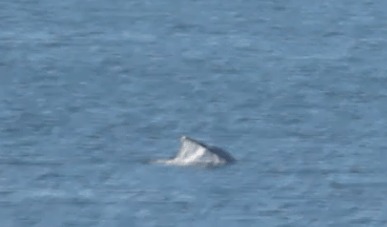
x: 194, y: 152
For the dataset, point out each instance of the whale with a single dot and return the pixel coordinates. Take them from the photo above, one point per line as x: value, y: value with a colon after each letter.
x: 193, y: 152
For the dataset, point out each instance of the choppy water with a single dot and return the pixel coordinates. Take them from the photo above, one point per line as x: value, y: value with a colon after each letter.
x: 295, y: 90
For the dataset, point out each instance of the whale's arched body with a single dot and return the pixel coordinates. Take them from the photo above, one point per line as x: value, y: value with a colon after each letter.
x: 193, y: 152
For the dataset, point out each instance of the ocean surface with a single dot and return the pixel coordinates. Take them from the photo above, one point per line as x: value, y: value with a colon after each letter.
x: 295, y: 90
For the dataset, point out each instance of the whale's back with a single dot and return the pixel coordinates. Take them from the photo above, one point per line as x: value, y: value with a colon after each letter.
x: 193, y: 152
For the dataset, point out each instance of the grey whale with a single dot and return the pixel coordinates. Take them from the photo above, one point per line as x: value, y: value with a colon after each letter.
x: 194, y: 152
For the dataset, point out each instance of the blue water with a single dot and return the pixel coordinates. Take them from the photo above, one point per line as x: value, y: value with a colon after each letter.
x: 295, y: 90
